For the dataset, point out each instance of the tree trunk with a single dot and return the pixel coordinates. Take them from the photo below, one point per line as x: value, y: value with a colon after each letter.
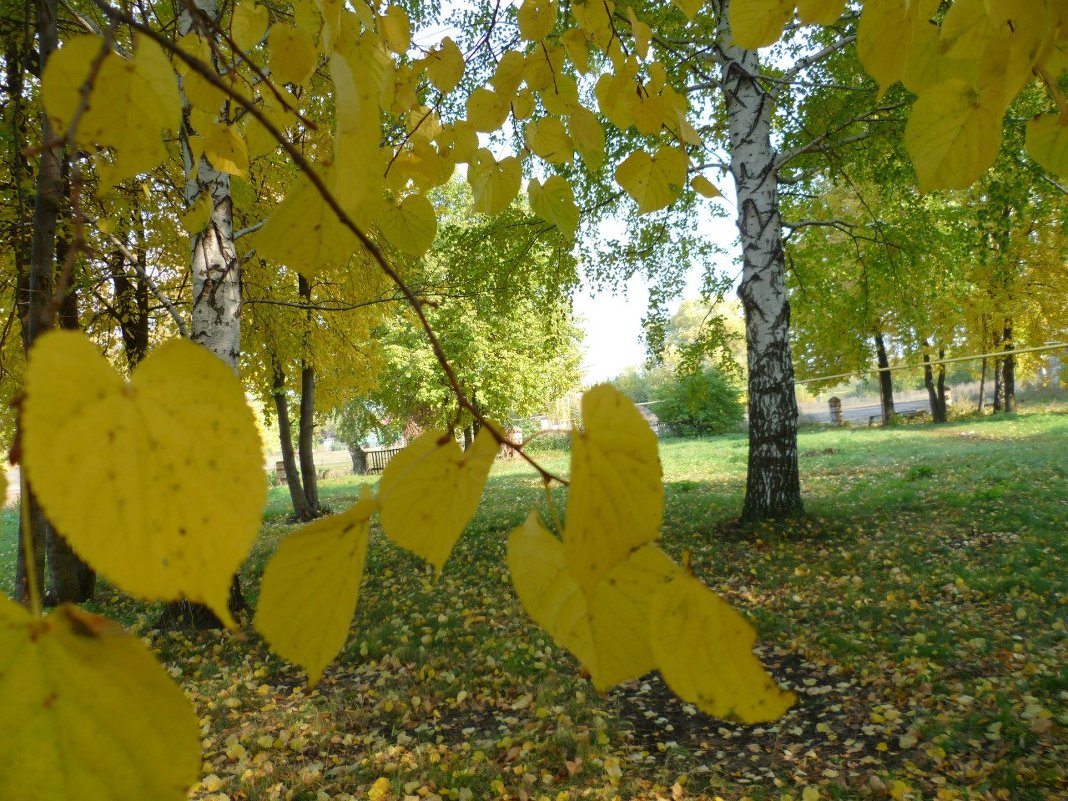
x: 359, y: 459
x: 1008, y: 368
x: 35, y: 303
x: 942, y: 412
x: 285, y: 440
x: 70, y: 579
x: 999, y: 387
x: 982, y: 388
x: 469, y: 436
x: 306, y: 432
x: 773, y: 486
x: 216, y: 283
x: 928, y: 382
x: 886, y: 381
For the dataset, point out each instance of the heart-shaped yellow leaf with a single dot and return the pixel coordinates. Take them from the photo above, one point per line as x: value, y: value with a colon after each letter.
x: 704, y: 650
x: 311, y: 586
x: 608, y: 630
x: 430, y: 490
x: 249, y: 24
x: 953, y: 135
x: 88, y: 713
x: 157, y: 483
x: 616, y: 500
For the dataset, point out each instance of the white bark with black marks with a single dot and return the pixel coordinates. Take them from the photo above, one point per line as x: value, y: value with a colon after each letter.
x: 773, y: 487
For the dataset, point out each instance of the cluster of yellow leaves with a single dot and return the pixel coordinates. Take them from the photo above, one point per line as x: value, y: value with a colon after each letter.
x: 180, y: 516
x: 609, y: 595
x: 368, y: 60
x: 966, y: 68
x: 119, y: 470
x: 966, y: 72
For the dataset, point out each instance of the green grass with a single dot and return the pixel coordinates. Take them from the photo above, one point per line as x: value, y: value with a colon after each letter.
x: 920, y: 610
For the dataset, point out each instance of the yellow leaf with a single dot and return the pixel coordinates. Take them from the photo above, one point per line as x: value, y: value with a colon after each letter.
x: 888, y: 32
x: 704, y: 187
x: 588, y: 135
x: 248, y: 25
x: 445, y: 66
x: 132, y: 103
x: 819, y: 12
x: 293, y: 54
x: 616, y: 500
x: 411, y: 226
x: 536, y: 19
x: 196, y: 218
x: 430, y: 490
x: 1047, y: 143
x: 554, y: 202
x: 543, y: 67
x: 607, y: 629
x: 758, y: 23
x: 810, y: 793
x: 311, y: 586
x: 379, y: 790
x: 396, y: 30
x: 646, y: 112
x: 175, y: 452
x: 304, y: 234
x: 653, y: 181
x: 509, y: 73
x: 703, y: 649
x: 494, y: 184
x: 689, y: 7
x: 549, y: 139
x: 486, y: 109
x: 578, y: 50
x: 92, y: 715
x: 523, y: 105
x: 952, y: 135
x: 225, y: 149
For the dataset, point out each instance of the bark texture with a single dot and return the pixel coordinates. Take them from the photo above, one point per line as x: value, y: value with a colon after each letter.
x: 216, y: 284
x: 886, y: 380
x: 773, y: 486
x: 306, y: 430
x: 285, y: 441
x: 1008, y: 372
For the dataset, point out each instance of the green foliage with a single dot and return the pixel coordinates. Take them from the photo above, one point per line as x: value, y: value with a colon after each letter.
x: 699, y: 404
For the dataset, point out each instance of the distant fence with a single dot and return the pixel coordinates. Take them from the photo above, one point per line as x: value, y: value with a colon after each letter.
x: 376, y: 459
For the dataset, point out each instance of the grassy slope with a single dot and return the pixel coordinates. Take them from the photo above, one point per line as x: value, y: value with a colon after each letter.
x: 919, y: 611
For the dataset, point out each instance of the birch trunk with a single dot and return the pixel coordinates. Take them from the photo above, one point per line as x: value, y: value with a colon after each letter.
x: 216, y: 283
x: 773, y: 487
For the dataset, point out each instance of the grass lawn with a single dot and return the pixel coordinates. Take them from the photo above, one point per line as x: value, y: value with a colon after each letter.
x: 919, y: 611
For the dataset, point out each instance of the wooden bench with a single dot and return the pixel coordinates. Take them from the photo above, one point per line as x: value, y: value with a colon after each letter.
x: 378, y: 458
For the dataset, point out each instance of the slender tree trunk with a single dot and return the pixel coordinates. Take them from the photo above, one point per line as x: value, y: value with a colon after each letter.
x: 285, y: 440
x: 928, y: 382
x: 999, y: 387
x: 982, y: 388
x: 216, y: 280
x: 35, y: 304
x: 1008, y: 367
x: 942, y: 412
x: 306, y: 432
x: 886, y: 381
x: 773, y: 486
x: 469, y: 436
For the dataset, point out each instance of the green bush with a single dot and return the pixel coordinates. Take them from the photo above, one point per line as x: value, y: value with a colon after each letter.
x: 700, y: 404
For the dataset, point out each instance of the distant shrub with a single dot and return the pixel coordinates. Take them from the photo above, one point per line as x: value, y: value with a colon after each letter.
x: 549, y: 441
x: 700, y: 404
